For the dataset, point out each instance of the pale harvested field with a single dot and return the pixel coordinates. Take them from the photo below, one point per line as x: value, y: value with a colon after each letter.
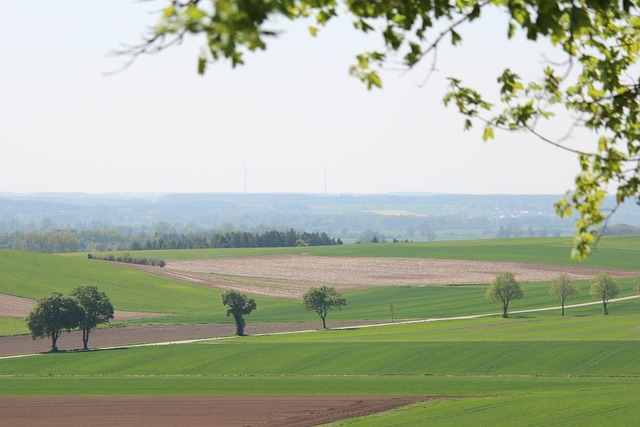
x: 291, y: 275
x: 12, y: 306
x: 142, y: 411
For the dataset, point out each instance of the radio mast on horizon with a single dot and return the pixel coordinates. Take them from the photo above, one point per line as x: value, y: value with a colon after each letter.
x: 325, y: 180
x: 245, y: 178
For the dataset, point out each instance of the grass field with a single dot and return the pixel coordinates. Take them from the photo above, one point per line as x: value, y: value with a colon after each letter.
x: 33, y: 275
x: 533, y: 370
x: 618, y: 252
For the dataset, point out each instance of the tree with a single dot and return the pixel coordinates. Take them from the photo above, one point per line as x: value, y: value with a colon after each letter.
x: 96, y: 309
x: 563, y: 288
x: 321, y: 300
x: 505, y: 289
x: 53, y: 314
x: 597, y: 84
x: 237, y: 305
x: 604, y: 287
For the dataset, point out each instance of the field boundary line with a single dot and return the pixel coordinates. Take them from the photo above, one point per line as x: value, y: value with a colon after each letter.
x: 405, y: 322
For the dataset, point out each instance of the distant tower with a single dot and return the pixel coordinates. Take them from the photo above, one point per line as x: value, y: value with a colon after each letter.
x: 325, y: 180
x: 245, y: 178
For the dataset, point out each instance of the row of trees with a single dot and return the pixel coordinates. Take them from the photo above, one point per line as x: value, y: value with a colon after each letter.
x: 320, y: 300
x: 505, y: 289
x: 64, y: 241
x: 84, y: 308
x: 234, y: 239
x: 128, y: 259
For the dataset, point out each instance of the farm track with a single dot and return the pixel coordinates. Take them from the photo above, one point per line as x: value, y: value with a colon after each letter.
x: 132, y: 335
x: 227, y: 410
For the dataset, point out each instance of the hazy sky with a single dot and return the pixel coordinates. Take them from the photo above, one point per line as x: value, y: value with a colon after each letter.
x: 289, y: 114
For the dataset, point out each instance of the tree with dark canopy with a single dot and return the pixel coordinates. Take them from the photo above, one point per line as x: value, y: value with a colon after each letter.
x: 53, y: 314
x: 238, y: 305
x: 96, y: 309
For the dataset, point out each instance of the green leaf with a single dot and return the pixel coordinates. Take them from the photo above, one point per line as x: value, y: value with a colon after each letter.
x: 488, y: 134
x: 169, y: 11
x: 202, y: 65
x: 455, y: 38
x: 373, y: 80
x: 313, y: 31
x: 475, y: 13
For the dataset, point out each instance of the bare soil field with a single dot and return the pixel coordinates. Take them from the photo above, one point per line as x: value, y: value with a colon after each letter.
x: 110, y: 337
x: 292, y: 275
x: 142, y: 411
x: 12, y: 306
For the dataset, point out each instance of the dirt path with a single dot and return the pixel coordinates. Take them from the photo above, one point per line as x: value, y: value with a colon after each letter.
x: 201, y: 410
x: 291, y: 275
x: 110, y: 337
x: 143, y: 411
x: 180, y: 334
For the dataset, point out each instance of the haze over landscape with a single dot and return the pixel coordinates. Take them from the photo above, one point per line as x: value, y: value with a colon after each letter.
x: 274, y: 244
x: 287, y: 116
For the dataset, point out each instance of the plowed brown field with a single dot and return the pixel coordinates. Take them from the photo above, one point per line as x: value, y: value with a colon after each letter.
x: 142, y: 411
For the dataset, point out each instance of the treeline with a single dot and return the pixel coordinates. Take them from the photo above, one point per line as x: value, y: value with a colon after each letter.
x: 235, y: 239
x: 64, y: 241
x: 621, y: 230
x: 126, y: 258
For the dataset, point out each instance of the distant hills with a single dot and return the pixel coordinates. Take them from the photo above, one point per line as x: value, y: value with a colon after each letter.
x: 392, y: 216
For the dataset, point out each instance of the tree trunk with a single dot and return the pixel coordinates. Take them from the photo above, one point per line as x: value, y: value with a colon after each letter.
x: 606, y: 310
x: 239, y: 325
x: 563, y: 306
x: 54, y: 343
x: 85, y: 338
x: 505, y: 308
x: 324, y: 323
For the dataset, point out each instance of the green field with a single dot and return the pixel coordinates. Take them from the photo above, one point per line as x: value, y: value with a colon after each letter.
x: 584, y: 367
x: 33, y: 275
x: 618, y: 252
x: 530, y: 369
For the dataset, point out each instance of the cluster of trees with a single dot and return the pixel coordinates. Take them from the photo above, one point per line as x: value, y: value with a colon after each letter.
x: 235, y: 239
x: 72, y: 240
x: 516, y: 231
x: 621, y: 230
x: 505, y: 289
x: 128, y: 259
x: 64, y: 241
x: 48, y: 242
x: 84, y: 308
x: 321, y: 300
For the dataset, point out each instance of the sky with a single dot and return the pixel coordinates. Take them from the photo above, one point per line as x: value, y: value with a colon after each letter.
x: 286, y: 121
